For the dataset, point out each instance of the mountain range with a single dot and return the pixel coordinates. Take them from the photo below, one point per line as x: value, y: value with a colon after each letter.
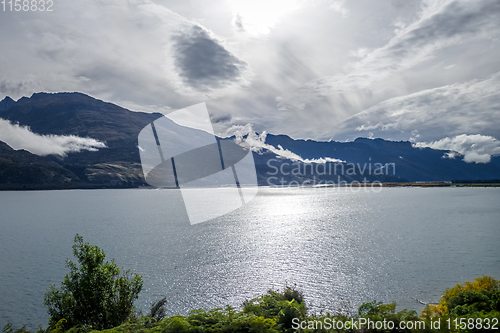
x: 118, y: 164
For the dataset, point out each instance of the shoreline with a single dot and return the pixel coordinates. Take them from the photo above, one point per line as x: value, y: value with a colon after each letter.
x: 15, y: 187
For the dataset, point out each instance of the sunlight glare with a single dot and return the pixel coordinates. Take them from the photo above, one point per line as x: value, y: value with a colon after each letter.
x: 260, y: 16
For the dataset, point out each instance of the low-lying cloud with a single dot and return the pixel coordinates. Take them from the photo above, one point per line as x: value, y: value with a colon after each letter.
x: 21, y: 137
x: 475, y: 148
x: 246, y: 137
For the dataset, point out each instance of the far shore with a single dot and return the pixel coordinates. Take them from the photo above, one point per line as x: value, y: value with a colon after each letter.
x: 85, y: 186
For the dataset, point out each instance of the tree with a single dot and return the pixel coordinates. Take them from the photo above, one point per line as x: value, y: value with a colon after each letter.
x: 95, y: 293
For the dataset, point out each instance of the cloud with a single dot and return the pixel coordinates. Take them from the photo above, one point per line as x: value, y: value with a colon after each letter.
x: 379, y: 74
x: 470, y: 108
x: 475, y: 148
x: 21, y: 137
x: 204, y: 64
x: 141, y: 54
x: 441, y: 25
x: 8, y: 87
x: 136, y: 53
x: 221, y: 119
x: 340, y: 8
x: 238, y: 23
x: 246, y: 137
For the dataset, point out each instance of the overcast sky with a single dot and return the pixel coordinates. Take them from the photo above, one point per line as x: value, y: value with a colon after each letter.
x: 421, y: 70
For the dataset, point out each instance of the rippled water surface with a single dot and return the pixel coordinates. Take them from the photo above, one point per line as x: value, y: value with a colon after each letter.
x: 339, y: 247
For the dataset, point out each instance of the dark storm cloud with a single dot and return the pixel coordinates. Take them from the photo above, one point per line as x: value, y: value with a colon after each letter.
x: 203, y: 63
x: 221, y: 119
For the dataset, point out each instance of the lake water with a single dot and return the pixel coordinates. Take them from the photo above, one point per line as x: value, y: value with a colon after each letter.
x: 338, y: 246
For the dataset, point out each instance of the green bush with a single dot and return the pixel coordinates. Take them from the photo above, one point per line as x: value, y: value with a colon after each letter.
x: 471, y: 301
x: 219, y: 320
x: 95, y: 294
x: 282, y: 307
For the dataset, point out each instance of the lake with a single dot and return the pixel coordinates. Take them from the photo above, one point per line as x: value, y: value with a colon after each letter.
x: 338, y: 246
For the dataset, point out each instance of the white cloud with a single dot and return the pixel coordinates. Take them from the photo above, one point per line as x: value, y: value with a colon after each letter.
x: 470, y: 108
x: 21, y: 137
x: 246, y: 137
x: 475, y: 148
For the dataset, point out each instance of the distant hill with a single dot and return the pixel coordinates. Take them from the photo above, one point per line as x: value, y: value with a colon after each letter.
x: 119, y: 164
x: 84, y: 116
x: 20, y: 169
x: 77, y: 114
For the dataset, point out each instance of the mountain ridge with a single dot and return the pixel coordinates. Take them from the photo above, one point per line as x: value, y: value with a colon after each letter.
x: 118, y: 165
x: 412, y: 163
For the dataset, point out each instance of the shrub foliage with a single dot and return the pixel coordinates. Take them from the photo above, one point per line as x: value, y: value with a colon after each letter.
x: 95, y: 294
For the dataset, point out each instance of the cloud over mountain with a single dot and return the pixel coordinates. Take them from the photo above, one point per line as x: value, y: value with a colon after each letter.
x: 475, y: 148
x: 21, y: 137
x: 246, y: 137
